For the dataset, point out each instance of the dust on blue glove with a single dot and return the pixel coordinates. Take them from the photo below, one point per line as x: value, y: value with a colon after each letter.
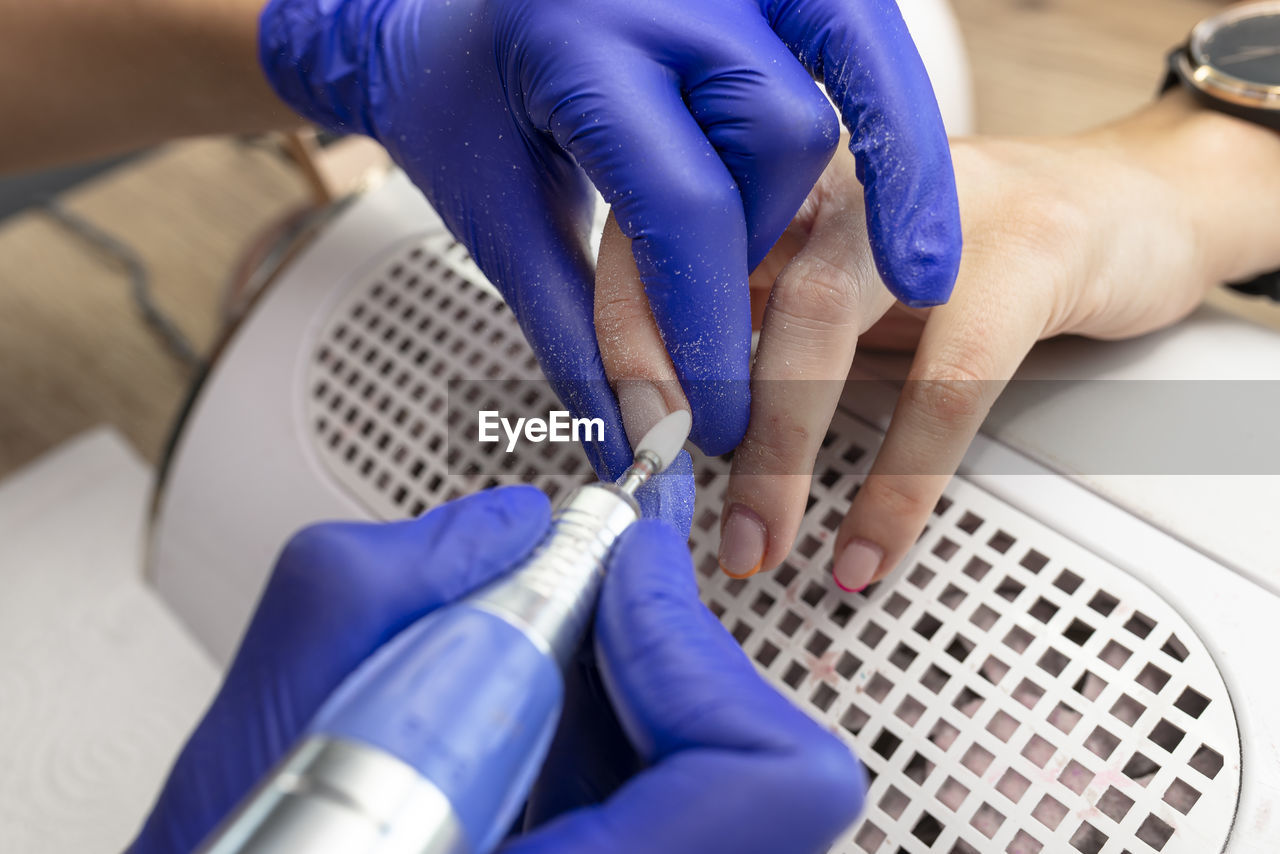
x: 717, y: 759
x: 339, y: 591
x: 670, y: 495
x: 698, y: 120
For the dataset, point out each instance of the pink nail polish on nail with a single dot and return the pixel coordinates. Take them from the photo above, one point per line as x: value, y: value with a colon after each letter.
x: 856, y: 565
x: 836, y: 579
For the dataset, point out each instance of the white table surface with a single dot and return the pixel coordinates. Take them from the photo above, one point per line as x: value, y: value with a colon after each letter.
x: 99, y: 683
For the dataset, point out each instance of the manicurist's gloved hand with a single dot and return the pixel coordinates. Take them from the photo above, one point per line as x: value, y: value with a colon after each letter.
x: 713, y: 758
x: 338, y: 592
x: 699, y: 122
x: 731, y: 761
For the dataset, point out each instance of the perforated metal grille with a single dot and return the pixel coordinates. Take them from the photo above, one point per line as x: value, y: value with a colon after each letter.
x: 1006, y: 689
x: 423, y: 325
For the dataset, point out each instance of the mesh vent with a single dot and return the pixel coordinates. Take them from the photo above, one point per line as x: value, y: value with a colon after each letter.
x: 1007, y: 690
x: 418, y: 328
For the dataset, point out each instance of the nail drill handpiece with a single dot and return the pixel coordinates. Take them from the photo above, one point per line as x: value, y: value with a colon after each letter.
x: 432, y: 745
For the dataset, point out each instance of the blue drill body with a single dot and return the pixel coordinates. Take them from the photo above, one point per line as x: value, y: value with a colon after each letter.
x: 432, y: 746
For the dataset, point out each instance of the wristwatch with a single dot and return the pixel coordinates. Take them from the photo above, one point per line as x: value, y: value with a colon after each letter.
x: 1231, y: 63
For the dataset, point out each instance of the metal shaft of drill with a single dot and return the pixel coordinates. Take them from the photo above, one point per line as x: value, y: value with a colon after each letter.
x: 645, y: 466
x: 551, y: 597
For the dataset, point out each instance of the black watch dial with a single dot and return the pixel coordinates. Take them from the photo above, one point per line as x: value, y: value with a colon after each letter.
x: 1246, y: 47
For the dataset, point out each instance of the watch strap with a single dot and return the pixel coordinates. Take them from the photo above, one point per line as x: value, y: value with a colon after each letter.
x: 1267, y: 285
x: 1172, y: 77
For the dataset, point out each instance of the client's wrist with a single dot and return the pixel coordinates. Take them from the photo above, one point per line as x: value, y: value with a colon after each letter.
x: 1225, y: 172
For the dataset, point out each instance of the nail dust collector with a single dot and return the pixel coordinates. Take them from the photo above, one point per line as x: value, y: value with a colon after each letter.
x: 1046, y: 671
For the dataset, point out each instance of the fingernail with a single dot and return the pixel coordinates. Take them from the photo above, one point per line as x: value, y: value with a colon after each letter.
x: 857, y: 565
x: 742, y: 543
x: 642, y: 406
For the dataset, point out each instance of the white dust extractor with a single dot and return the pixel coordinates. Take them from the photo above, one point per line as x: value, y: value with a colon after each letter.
x: 1047, y: 671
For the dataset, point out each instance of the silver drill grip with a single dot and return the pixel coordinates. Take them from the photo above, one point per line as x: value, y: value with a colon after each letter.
x: 332, y: 796
x: 551, y: 597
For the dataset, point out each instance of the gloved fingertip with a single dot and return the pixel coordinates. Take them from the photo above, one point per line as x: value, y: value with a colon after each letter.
x: 520, y: 505
x: 927, y: 302
x: 670, y: 495
x: 918, y: 259
x: 924, y: 285
x: 720, y: 423
x: 521, y: 511
x: 717, y: 385
x: 516, y: 503
x: 716, y: 442
x: 473, y: 538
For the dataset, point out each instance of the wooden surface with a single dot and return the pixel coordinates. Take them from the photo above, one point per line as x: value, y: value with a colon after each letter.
x: 73, y: 352
x: 1057, y: 66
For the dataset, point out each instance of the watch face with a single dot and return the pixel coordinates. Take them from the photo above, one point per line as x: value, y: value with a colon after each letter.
x: 1244, y: 44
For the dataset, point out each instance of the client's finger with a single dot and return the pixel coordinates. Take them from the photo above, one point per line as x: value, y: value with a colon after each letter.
x: 822, y: 300
x: 634, y: 355
x: 969, y: 349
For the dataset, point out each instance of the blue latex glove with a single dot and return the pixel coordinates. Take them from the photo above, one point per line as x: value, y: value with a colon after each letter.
x: 719, y: 761
x: 338, y: 592
x: 670, y: 496
x: 698, y: 120
x: 731, y: 762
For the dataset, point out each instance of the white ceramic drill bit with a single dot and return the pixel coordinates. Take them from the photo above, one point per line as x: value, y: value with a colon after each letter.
x: 657, y: 450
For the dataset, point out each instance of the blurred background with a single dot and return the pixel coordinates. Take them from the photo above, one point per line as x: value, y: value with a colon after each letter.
x: 183, y: 228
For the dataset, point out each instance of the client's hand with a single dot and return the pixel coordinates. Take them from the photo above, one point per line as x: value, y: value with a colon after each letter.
x: 1109, y: 234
